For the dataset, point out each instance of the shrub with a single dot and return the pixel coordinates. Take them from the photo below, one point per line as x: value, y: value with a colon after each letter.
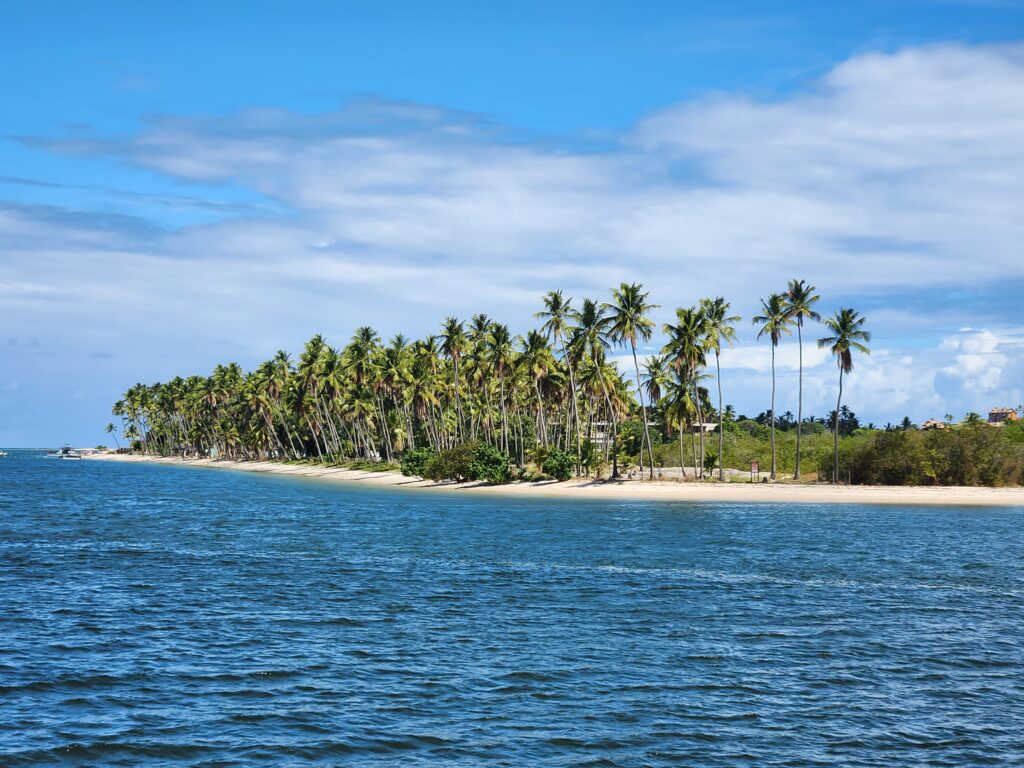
x: 558, y: 464
x: 470, y: 461
x: 415, y: 460
x: 490, y: 465
x: 452, y: 464
x: 968, y: 455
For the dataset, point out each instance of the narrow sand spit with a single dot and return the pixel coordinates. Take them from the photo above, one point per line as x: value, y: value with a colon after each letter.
x: 634, y: 490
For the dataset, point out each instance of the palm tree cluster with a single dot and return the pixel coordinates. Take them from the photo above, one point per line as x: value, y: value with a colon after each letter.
x: 475, y: 381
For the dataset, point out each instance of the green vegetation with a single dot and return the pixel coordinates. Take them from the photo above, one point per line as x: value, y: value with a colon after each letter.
x: 415, y: 461
x: 972, y: 454
x: 469, y: 461
x: 558, y: 464
x: 476, y: 402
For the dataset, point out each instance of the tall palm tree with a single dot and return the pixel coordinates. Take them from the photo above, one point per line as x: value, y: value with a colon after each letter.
x: 537, y: 362
x: 800, y: 301
x: 719, y: 325
x: 847, y: 335
x: 557, y: 315
x: 501, y: 356
x: 453, y: 340
x: 687, y: 347
x: 111, y: 431
x: 774, y: 323
x: 628, y: 321
x: 589, y: 336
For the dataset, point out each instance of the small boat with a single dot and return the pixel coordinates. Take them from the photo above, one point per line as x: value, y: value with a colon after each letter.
x: 2, y: 454
x: 67, y: 452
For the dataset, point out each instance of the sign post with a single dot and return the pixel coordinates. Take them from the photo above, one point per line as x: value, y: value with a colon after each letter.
x: 755, y: 472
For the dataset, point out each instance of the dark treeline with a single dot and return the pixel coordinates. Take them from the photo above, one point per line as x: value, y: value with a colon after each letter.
x: 549, y: 398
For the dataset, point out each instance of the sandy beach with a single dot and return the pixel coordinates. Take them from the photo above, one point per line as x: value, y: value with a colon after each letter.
x: 634, y: 490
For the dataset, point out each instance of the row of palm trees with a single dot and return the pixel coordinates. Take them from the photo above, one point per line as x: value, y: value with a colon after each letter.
x: 554, y: 387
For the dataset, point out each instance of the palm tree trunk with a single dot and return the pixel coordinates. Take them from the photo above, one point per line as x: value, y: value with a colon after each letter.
x: 835, y: 432
x: 575, y: 411
x: 458, y: 400
x: 800, y: 394
x: 682, y: 461
x: 643, y: 411
x: 700, y: 424
x: 541, y: 424
x: 612, y: 419
x: 773, y: 411
x: 504, y: 416
x: 721, y: 434
x: 693, y: 447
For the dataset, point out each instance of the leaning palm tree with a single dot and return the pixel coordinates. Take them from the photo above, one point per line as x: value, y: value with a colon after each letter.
x: 628, y: 321
x: 848, y: 334
x: 774, y: 323
x: 111, y: 431
x: 718, y: 324
x: 800, y: 301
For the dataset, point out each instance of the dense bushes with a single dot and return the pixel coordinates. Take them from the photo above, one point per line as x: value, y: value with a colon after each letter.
x: 466, y: 461
x: 967, y: 455
x: 452, y: 464
x: 558, y: 464
x: 490, y: 465
x: 415, y: 461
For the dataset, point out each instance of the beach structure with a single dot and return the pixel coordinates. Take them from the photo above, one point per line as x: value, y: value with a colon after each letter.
x: 998, y: 416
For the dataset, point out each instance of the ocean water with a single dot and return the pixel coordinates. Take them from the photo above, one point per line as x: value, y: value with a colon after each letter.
x: 159, y: 616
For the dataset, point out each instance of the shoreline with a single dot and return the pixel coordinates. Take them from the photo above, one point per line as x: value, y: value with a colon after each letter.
x: 633, y: 490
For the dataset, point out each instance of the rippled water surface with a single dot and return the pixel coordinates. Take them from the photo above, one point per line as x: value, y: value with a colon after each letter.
x: 154, y: 615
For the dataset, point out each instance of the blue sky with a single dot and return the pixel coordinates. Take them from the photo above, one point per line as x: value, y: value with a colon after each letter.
x: 209, y: 181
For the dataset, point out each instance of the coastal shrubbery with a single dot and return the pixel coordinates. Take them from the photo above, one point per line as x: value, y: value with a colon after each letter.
x: 415, y: 460
x: 466, y: 461
x: 490, y: 465
x: 967, y: 455
x: 558, y: 464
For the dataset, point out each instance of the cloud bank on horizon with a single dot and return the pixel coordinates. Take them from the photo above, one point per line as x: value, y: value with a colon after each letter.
x: 894, y: 183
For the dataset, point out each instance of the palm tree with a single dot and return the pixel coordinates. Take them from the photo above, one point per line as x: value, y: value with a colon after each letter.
x: 111, y: 431
x: 847, y: 334
x: 501, y: 355
x: 800, y: 301
x: 589, y: 336
x: 557, y: 314
x: 656, y: 377
x: 718, y: 325
x: 453, y: 340
x: 537, y: 362
x: 774, y: 323
x: 628, y: 321
x: 686, y: 346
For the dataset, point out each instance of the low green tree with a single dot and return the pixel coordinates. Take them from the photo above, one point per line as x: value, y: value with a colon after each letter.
x: 558, y: 464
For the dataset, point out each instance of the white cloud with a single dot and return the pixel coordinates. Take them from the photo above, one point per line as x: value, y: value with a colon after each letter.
x: 985, y: 362
x: 893, y: 176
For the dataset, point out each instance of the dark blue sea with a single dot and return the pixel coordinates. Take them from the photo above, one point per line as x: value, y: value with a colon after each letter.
x: 171, y: 616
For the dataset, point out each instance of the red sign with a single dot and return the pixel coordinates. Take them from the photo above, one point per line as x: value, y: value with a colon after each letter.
x: 754, y: 467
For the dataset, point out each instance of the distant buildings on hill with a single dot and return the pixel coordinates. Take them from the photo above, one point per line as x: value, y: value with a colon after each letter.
x: 996, y: 418
x: 999, y: 415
